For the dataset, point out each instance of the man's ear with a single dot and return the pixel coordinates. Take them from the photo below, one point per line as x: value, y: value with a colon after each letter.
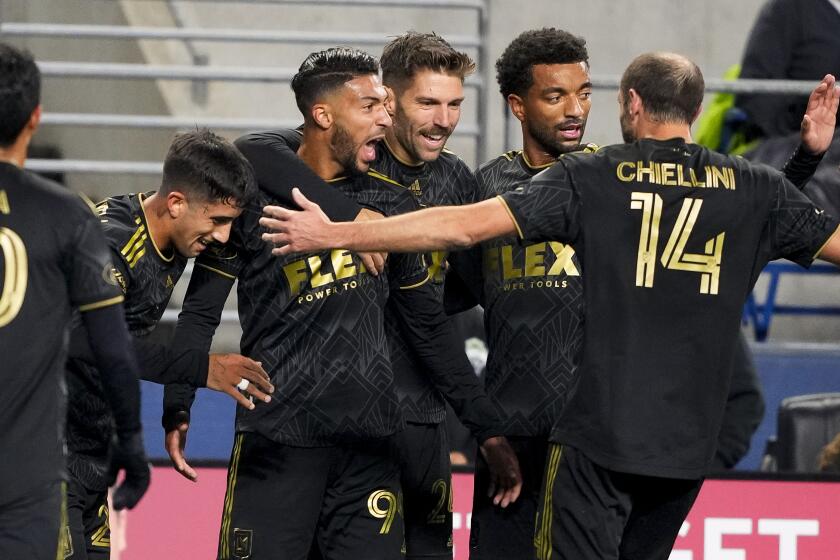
x: 322, y: 115
x: 634, y: 103
x: 517, y: 106
x: 390, y: 101
x: 34, y: 118
x: 176, y: 204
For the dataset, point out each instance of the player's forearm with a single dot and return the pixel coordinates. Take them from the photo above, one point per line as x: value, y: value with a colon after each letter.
x: 164, y: 365
x: 801, y: 166
x: 426, y: 230
x: 111, y: 347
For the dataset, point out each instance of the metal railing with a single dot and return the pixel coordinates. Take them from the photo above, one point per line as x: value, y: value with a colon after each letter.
x: 199, y: 74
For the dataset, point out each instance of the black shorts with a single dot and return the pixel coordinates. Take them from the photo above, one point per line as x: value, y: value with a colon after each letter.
x: 508, y: 533
x: 426, y: 478
x: 29, y: 526
x: 588, y: 512
x: 282, y: 500
x: 88, y: 532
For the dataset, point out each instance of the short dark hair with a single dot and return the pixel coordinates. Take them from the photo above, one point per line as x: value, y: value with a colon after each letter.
x: 205, y: 165
x: 20, y: 92
x: 514, y: 69
x: 403, y: 57
x: 670, y: 85
x: 324, y: 71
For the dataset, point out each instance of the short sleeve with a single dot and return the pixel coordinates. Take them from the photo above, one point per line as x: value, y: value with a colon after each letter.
x: 90, y: 273
x: 547, y: 208
x: 797, y: 229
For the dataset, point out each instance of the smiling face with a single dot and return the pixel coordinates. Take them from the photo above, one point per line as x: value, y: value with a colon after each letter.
x: 426, y: 113
x: 199, y: 223
x: 360, y: 122
x: 556, y: 106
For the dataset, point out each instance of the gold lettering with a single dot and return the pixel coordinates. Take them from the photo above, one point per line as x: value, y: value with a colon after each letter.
x: 669, y: 173
x: 535, y: 260
x: 720, y: 176
x: 318, y: 279
x: 436, y: 268
x: 4, y: 202
x: 296, y: 276
x: 641, y: 171
x: 509, y: 271
x: 562, y: 260
x: 342, y: 263
x: 619, y: 171
x: 694, y: 180
x: 681, y: 175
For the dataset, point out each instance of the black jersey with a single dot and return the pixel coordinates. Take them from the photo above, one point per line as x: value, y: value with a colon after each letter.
x: 147, y: 277
x: 445, y: 181
x: 315, y: 322
x: 532, y: 296
x: 54, y: 258
x: 671, y: 237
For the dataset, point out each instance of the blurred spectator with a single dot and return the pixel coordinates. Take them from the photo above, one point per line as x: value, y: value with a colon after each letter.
x: 791, y: 40
x: 829, y: 460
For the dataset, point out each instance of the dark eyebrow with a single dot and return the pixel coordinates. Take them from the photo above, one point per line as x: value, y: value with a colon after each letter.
x: 562, y: 91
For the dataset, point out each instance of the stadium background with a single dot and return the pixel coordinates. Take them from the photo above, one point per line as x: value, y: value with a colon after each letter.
x: 801, y: 355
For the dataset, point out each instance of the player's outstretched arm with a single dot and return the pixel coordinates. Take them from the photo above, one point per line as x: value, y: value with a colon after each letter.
x: 445, y: 227
x: 820, y: 116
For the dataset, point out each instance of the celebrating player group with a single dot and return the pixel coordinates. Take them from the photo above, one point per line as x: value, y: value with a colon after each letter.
x: 612, y: 281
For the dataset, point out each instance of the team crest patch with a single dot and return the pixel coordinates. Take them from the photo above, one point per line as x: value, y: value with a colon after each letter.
x: 243, y: 540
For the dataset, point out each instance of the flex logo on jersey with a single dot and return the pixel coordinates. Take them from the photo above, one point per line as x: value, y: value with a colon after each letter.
x: 530, y: 267
x: 314, y: 278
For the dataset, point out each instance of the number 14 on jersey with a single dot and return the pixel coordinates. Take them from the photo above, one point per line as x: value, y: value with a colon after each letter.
x: 674, y: 257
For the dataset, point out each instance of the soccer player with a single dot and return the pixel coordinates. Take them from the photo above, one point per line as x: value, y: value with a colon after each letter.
x: 672, y: 237
x: 54, y: 259
x: 533, y: 295
x: 317, y: 323
x: 424, y: 76
x: 151, y: 236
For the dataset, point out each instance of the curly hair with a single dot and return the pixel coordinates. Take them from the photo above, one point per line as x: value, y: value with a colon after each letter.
x: 413, y: 51
x: 538, y: 46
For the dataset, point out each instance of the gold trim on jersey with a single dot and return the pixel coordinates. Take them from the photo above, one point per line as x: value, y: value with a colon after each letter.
x: 512, y: 217
x: 382, y: 177
x: 4, y: 203
x: 510, y: 155
x: 217, y: 271
x: 542, y: 539
x: 140, y: 196
x: 398, y: 158
x: 418, y: 284
x: 100, y: 304
x: 233, y: 470
x: 532, y: 166
x: 820, y: 250
x: 334, y: 179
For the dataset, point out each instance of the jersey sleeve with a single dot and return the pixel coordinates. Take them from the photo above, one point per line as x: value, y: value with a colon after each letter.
x: 797, y: 229
x: 278, y: 169
x: 407, y: 271
x: 90, y: 272
x: 547, y: 209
